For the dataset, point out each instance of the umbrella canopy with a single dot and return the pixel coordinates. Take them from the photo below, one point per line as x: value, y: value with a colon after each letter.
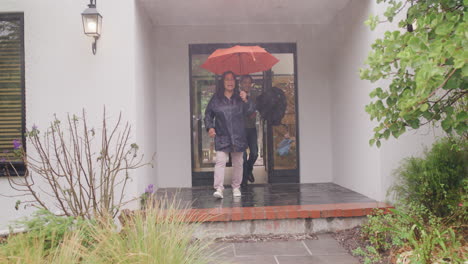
x: 240, y: 60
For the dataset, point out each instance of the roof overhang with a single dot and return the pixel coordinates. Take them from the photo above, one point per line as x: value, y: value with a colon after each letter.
x: 232, y: 12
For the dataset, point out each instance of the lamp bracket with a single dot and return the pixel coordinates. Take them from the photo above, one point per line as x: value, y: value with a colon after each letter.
x: 92, y: 4
x: 94, y: 45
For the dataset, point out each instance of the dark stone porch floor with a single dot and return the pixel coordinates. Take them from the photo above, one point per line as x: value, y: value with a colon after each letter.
x: 262, y: 195
x: 273, y: 201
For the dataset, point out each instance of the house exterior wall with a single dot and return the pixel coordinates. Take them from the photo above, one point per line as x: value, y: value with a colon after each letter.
x: 356, y: 165
x: 142, y: 70
x: 145, y: 96
x: 172, y: 94
x: 63, y: 76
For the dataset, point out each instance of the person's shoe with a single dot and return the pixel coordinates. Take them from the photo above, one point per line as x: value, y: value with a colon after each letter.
x: 251, y: 177
x: 236, y: 192
x: 218, y: 194
x: 244, y: 184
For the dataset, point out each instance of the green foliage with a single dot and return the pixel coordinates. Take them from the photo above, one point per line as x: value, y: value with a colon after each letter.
x: 427, y: 63
x: 144, y: 197
x: 430, y: 239
x: 42, y: 242
x: 412, y: 227
x: 34, y: 248
x: 379, y: 231
x: 49, y: 227
x: 152, y: 236
x: 438, y: 181
x: 370, y: 254
x: 155, y: 235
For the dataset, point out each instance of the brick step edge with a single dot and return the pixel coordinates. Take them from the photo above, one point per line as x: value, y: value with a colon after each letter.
x: 279, y: 212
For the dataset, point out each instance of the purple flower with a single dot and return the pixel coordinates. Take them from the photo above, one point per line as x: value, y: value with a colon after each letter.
x: 149, y: 189
x: 2, y: 160
x: 16, y: 144
x: 34, y: 127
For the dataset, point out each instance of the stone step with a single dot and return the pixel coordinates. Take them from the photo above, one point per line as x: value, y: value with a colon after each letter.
x: 277, y: 226
x: 284, y: 212
x: 289, y: 219
x: 295, y: 219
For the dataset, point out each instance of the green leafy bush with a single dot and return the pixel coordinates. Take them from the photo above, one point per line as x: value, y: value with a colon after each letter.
x: 416, y: 232
x: 425, y: 60
x: 370, y: 254
x: 429, y: 224
x: 49, y: 227
x: 430, y: 240
x: 437, y: 181
x: 379, y: 231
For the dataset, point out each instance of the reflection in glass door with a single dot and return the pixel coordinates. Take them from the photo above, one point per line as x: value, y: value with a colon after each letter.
x: 203, y: 83
x: 283, y: 139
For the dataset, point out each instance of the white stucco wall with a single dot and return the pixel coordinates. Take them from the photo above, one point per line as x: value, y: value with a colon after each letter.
x: 145, y: 95
x: 172, y: 94
x: 356, y: 165
x: 63, y: 76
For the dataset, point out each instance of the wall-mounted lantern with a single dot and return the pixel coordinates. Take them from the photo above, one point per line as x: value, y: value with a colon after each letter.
x: 92, y: 22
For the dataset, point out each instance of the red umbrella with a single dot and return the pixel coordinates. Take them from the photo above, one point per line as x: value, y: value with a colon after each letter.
x: 240, y: 60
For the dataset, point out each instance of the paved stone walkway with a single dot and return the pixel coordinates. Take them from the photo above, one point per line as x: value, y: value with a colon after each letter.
x: 325, y: 250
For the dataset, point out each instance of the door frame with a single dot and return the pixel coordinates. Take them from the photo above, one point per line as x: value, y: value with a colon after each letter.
x: 290, y: 176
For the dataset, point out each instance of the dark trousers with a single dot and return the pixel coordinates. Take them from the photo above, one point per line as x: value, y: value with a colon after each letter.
x: 249, y: 162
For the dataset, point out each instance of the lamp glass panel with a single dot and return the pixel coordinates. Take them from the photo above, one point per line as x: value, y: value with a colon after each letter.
x: 99, y: 24
x: 91, y: 24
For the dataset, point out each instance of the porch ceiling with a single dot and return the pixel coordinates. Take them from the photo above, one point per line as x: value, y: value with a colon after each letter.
x: 224, y: 12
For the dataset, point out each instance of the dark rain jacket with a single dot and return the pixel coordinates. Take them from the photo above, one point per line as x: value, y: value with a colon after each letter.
x: 272, y: 105
x: 226, y: 116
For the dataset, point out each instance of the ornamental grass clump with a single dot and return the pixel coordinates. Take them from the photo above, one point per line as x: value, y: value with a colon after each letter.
x: 160, y: 234
x: 34, y: 248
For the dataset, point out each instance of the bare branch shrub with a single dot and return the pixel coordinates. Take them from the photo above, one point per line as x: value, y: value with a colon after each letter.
x: 85, y: 172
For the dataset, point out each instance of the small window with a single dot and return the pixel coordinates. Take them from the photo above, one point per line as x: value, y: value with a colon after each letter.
x: 12, y: 96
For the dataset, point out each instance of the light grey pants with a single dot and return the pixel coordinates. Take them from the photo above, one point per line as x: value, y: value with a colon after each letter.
x: 220, y: 166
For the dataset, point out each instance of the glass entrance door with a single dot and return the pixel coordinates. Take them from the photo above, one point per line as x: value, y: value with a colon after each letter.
x: 282, y: 140
x: 280, y: 167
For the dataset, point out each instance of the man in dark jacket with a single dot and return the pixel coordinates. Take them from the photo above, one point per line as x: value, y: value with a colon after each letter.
x: 246, y: 82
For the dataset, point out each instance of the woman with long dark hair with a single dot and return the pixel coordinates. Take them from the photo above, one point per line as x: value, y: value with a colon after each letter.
x: 224, y: 121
